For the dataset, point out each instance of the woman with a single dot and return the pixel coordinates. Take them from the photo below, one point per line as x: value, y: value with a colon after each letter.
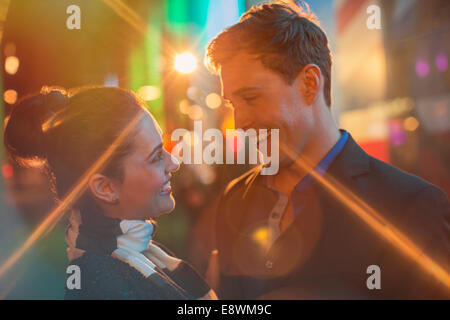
x: 103, y: 140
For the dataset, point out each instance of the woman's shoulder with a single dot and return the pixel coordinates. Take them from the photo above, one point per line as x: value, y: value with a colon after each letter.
x: 105, y: 277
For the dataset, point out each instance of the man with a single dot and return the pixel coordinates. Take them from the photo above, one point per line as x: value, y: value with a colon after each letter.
x: 334, y: 222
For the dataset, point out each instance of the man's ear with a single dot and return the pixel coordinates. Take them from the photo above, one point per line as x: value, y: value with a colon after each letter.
x: 310, y: 82
x: 103, y: 188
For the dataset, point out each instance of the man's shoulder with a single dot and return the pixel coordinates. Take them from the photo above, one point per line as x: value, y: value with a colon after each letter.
x: 420, y: 208
x: 395, y: 181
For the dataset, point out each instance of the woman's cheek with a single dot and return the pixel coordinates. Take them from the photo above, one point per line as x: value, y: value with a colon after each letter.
x: 153, y: 181
x: 141, y: 184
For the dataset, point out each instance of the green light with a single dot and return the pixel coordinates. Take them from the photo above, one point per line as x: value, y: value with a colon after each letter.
x: 145, y: 62
x: 177, y: 12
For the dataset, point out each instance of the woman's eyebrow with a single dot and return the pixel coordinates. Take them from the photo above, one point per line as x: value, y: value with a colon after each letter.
x: 159, y: 146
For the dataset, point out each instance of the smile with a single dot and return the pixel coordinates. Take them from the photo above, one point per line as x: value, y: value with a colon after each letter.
x: 166, y: 189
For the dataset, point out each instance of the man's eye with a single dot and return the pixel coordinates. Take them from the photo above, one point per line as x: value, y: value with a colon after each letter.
x: 250, y: 99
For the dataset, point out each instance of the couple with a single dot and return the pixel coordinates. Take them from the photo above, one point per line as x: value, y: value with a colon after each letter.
x: 336, y: 223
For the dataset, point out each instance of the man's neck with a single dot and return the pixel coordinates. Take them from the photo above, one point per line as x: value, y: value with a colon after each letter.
x: 319, y: 144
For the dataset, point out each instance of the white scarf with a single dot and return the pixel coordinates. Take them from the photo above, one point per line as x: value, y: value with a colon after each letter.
x: 134, y: 247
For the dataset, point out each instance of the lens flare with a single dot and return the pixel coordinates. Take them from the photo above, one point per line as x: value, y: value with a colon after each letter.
x: 185, y: 62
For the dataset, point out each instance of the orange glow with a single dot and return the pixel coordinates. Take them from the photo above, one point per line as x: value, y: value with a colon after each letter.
x: 11, y: 64
x: 10, y: 96
x: 410, y: 124
x: 7, y: 171
x: 261, y: 236
x: 228, y: 122
x: 168, y: 144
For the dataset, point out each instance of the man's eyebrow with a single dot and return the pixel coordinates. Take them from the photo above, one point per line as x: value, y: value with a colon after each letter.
x: 244, y: 90
x: 159, y: 146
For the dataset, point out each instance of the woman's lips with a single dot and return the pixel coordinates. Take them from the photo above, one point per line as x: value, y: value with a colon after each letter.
x: 166, y: 189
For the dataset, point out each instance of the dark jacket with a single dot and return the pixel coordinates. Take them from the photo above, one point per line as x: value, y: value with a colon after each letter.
x: 93, y: 238
x: 104, y: 277
x: 325, y: 253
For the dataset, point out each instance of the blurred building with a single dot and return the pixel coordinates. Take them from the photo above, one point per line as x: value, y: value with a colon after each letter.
x: 393, y: 83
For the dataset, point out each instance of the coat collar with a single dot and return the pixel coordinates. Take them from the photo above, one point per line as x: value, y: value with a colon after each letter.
x: 352, y: 161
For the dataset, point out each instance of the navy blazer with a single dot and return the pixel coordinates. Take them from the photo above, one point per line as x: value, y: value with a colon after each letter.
x: 326, y: 252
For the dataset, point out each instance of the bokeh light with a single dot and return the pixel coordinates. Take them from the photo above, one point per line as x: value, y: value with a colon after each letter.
x: 441, y: 62
x: 410, y: 124
x: 193, y: 93
x: 7, y: 171
x: 10, y: 96
x: 184, y: 106
x: 11, y: 64
x: 422, y: 68
x: 213, y: 100
x: 185, y: 62
x: 261, y: 236
x: 195, y: 112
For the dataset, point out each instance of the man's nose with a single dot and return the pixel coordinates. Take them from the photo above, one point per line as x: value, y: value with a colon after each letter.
x: 241, y: 119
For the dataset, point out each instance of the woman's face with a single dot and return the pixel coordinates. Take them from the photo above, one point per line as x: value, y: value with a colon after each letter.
x: 145, y: 191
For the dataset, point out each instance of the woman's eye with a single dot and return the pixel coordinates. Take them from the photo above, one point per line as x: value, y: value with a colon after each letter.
x: 158, y: 157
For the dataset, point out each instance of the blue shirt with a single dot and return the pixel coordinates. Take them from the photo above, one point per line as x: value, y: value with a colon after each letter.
x: 302, y: 190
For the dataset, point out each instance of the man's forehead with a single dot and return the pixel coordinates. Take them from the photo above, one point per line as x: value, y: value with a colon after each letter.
x: 242, y: 71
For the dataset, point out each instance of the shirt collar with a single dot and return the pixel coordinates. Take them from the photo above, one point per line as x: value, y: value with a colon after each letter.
x: 326, y: 161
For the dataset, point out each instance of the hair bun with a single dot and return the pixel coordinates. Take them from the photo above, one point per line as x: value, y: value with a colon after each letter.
x: 26, y: 132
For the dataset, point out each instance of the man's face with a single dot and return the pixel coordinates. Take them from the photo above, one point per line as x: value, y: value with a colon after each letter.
x: 263, y: 100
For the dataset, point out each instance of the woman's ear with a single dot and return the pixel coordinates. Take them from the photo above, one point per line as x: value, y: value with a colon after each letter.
x: 103, y: 188
x: 310, y: 82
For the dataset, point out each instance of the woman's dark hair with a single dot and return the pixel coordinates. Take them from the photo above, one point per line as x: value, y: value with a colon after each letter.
x: 68, y: 131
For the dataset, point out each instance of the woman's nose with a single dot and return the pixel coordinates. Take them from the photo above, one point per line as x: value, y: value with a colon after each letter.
x: 173, y: 164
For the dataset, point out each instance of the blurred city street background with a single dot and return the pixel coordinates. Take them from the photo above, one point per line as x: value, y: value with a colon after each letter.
x: 390, y: 86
